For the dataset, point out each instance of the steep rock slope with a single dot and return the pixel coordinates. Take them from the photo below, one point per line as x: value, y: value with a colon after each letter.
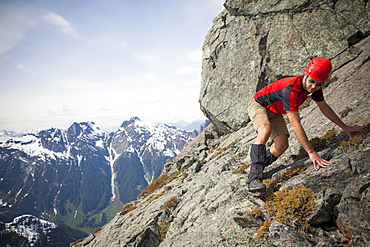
x: 201, y: 199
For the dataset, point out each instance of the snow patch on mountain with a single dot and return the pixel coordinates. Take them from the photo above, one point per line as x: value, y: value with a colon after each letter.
x: 113, y: 156
x: 30, y: 227
x: 31, y: 145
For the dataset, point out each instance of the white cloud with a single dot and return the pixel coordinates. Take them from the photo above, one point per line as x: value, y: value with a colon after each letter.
x: 61, y: 23
x: 26, y: 69
x: 115, y: 73
x: 73, y: 83
x: 13, y: 26
x: 188, y: 70
x: 204, y: 5
x: 145, y: 56
x: 195, y: 56
x: 138, y: 80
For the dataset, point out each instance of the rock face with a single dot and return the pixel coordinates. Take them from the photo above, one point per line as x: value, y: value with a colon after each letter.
x: 253, y: 43
x: 201, y: 199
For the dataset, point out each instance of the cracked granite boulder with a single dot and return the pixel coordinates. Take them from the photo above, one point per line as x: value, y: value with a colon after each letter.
x: 253, y: 43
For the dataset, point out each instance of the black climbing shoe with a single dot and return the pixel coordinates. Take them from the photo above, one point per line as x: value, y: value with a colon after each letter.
x: 256, y: 186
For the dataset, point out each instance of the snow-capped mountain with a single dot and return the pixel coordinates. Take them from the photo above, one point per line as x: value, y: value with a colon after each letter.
x: 29, y: 230
x: 6, y: 135
x: 149, y: 142
x: 71, y: 177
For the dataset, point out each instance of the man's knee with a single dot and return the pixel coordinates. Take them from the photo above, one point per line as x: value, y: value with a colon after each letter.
x: 264, y: 129
x: 284, y: 146
x: 263, y: 134
x: 281, y: 143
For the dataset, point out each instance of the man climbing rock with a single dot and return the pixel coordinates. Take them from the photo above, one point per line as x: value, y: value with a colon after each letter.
x: 284, y: 97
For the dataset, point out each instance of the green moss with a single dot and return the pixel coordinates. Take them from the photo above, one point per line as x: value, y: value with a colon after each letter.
x: 240, y: 170
x: 160, y: 182
x: 293, y: 172
x: 347, y: 170
x: 256, y: 212
x: 345, y: 112
x: 319, y: 143
x: 223, y: 150
x: 262, y: 232
x: 291, y: 207
x: 171, y: 203
x: 162, y: 229
x: 129, y: 207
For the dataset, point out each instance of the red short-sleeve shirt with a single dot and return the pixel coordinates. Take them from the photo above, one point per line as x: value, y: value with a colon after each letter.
x: 285, y: 95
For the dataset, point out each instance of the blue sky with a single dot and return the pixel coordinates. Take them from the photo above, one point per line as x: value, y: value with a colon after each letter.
x: 103, y: 61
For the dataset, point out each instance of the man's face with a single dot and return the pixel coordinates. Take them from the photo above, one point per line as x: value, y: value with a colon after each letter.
x: 311, y: 85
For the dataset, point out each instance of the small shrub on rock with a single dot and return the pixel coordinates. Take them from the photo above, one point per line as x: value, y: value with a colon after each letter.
x: 291, y: 207
x: 171, y: 203
x: 129, y: 207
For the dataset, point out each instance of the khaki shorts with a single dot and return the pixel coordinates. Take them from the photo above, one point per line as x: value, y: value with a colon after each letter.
x: 260, y: 115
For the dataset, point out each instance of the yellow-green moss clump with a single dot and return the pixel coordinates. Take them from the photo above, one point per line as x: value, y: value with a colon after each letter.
x: 345, y: 112
x: 272, y: 183
x: 160, y: 182
x: 319, y: 143
x: 256, y: 212
x: 156, y: 184
x: 129, y: 207
x: 305, y: 104
x: 171, y: 203
x: 330, y: 80
x: 223, y: 150
x: 262, y: 232
x: 291, y: 207
x: 240, y: 170
x: 293, y: 172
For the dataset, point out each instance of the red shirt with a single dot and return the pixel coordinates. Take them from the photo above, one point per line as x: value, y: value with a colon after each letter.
x: 285, y: 95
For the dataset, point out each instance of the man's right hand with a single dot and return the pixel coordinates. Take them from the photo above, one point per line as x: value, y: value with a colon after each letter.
x: 318, y: 161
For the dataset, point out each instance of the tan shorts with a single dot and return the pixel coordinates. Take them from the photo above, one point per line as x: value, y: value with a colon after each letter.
x: 260, y: 115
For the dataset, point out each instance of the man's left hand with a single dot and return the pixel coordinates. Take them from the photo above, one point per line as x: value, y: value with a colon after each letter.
x: 351, y: 129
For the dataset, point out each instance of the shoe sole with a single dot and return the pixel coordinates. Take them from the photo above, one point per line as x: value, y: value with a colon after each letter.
x: 257, y: 190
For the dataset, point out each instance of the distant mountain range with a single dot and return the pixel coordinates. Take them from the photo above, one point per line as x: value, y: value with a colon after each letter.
x: 80, y: 177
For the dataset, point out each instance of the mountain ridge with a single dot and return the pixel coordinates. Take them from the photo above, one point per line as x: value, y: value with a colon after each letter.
x: 79, y: 176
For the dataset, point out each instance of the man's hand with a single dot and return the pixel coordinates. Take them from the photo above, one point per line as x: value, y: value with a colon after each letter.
x: 351, y: 129
x: 330, y: 114
x: 302, y: 138
x: 318, y: 161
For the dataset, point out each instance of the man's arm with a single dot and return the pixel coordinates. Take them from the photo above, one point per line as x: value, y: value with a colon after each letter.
x: 300, y: 134
x: 332, y: 116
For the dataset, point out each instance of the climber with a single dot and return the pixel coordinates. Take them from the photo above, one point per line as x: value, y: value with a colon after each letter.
x: 284, y: 97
